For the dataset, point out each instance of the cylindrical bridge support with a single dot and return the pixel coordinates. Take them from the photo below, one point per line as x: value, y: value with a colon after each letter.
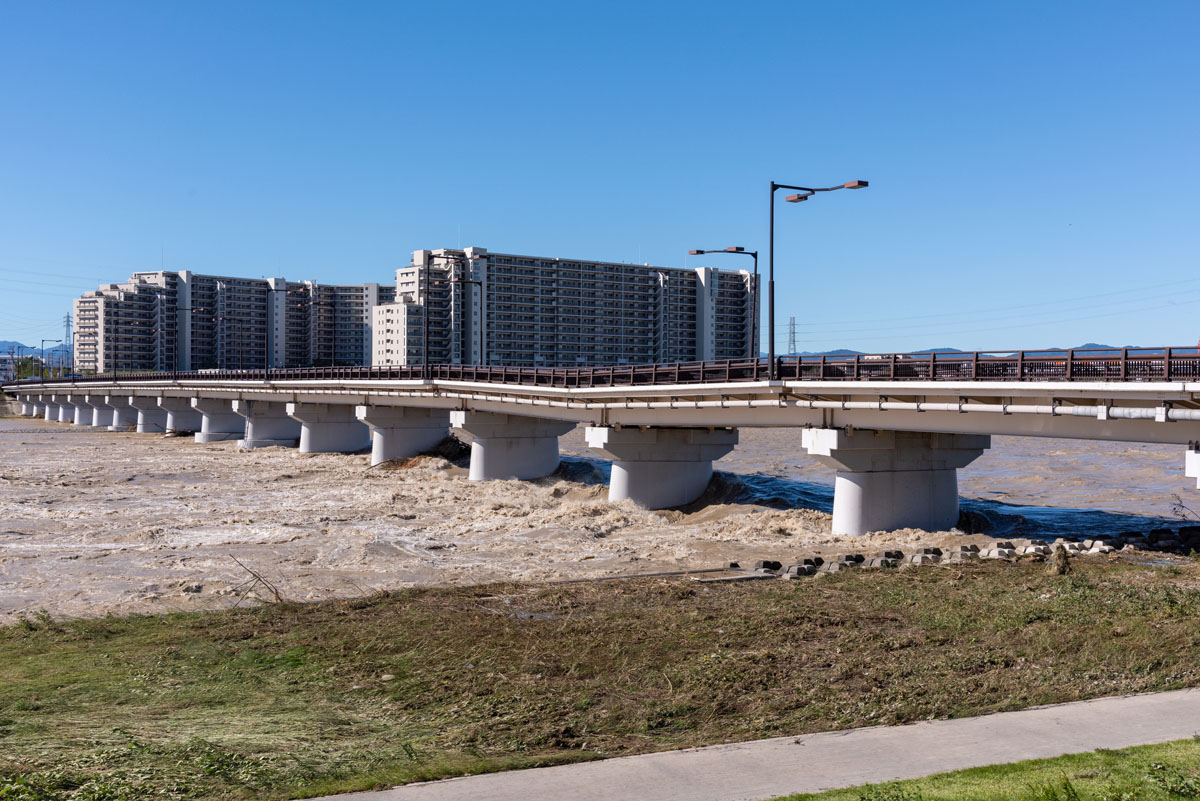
x: 124, y: 416
x: 102, y: 413
x: 329, y: 428
x: 888, y: 480
x: 219, y: 422
x: 181, y: 417
x: 267, y: 424
x: 150, y: 418
x: 660, y: 467
x: 83, y: 411
x: 66, y: 409
x: 510, y: 446
x: 399, y: 432
x: 1191, y: 464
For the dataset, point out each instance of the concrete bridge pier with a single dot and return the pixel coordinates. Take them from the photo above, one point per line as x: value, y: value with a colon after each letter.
x: 83, y: 411
x: 400, y: 432
x: 660, y: 467
x: 888, y: 480
x: 50, y: 410
x: 124, y: 416
x: 267, y: 424
x: 329, y: 428
x: 64, y: 409
x: 1191, y: 463
x: 510, y: 446
x: 181, y: 417
x: 219, y: 422
x: 150, y: 418
x: 102, y: 413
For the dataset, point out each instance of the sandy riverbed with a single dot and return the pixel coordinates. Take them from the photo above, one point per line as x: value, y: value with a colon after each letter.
x: 93, y: 522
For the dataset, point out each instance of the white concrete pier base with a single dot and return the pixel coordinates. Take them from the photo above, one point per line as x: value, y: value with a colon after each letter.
x: 102, y: 413
x: 219, y: 422
x: 66, y: 412
x: 50, y: 412
x: 399, y: 432
x: 267, y: 425
x: 83, y: 413
x: 887, y: 480
x: 1191, y: 465
x: 660, y: 467
x: 150, y: 418
x: 124, y: 416
x: 27, y: 407
x: 181, y: 417
x: 329, y: 428
x: 509, y: 446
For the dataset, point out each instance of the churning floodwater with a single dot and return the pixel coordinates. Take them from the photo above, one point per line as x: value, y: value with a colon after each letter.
x: 1021, y: 487
x: 93, y: 522
x: 981, y: 516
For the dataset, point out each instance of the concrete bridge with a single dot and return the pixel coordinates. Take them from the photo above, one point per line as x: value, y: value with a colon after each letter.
x: 895, y: 427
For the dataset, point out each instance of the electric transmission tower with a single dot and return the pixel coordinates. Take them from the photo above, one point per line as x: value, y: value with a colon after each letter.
x: 792, y: 336
x: 66, y: 343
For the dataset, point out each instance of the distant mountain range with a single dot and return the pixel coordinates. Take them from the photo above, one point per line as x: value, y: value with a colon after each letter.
x: 9, y: 346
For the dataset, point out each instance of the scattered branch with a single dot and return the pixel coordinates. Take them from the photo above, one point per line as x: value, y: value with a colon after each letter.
x: 256, y: 578
x: 1181, y: 510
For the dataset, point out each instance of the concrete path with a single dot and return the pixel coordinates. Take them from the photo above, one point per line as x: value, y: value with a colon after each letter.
x: 814, y: 762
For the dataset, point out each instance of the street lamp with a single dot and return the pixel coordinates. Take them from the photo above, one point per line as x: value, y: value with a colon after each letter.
x: 803, y: 193
x: 43, y: 365
x: 754, y: 293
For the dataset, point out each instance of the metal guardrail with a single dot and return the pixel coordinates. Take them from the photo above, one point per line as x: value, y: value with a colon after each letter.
x: 1125, y: 364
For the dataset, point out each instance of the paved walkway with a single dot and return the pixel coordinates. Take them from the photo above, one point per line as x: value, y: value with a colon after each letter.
x: 814, y: 762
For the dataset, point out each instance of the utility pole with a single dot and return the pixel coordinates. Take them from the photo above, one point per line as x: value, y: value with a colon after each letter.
x: 792, y: 336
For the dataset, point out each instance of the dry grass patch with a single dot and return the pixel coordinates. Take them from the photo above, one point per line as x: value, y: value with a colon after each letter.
x: 301, y: 700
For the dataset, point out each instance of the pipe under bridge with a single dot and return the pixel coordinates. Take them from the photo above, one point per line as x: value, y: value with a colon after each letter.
x: 895, y: 427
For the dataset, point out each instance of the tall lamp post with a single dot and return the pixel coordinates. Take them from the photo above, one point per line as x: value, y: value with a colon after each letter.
x: 804, y: 193
x: 754, y: 312
x: 43, y: 365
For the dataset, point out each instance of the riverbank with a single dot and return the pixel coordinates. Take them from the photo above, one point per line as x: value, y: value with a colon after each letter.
x: 297, y: 700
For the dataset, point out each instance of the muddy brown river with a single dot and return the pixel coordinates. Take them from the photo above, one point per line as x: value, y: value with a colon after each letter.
x: 93, y: 522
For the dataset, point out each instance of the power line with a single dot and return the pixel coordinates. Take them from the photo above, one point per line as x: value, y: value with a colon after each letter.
x: 1125, y: 293
x: 1120, y: 313
x: 995, y: 315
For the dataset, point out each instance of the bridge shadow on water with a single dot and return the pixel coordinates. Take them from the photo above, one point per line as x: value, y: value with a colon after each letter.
x: 978, y: 516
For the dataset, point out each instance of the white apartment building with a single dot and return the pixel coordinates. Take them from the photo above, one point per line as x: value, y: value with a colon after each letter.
x: 180, y: 320
x: 505, y: 309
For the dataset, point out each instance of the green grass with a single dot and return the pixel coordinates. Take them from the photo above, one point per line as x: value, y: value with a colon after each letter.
x: 290, y: 700
x: 1146, y: 773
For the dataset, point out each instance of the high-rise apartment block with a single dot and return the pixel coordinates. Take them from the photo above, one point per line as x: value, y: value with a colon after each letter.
x: 180, y: 320
x: 503, y: 309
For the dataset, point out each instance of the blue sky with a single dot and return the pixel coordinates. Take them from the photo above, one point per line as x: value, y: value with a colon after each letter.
x: 1033, y: 166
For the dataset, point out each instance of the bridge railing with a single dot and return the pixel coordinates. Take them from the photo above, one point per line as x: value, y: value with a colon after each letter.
x: 1123, y: 364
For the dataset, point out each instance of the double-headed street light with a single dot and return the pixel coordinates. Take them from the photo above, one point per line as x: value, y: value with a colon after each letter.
x: 754, y: 293
x: 803, y: 193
